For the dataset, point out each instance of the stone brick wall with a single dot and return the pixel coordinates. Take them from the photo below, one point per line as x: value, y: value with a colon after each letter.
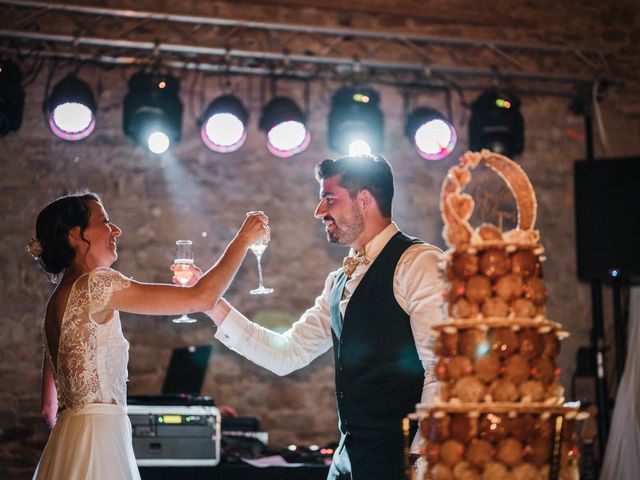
x: 193, y: 193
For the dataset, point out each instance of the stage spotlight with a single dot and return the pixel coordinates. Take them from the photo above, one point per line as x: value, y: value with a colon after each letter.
x: 284, y: 123
x: 11, y: 97
x: 356, y: 124
x: 496, y: 123
x: 71, y: 109
x: 152, y: 113
x: 158, y: 142
x: 359, y: 147
x: 433, y: 136
x: 223, y: 126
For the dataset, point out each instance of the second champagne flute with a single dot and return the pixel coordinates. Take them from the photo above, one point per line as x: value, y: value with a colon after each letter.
x: 258, y: 249
x: 182, y: 271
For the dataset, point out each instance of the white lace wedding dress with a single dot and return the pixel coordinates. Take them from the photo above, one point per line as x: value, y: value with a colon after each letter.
x: 92, y: 435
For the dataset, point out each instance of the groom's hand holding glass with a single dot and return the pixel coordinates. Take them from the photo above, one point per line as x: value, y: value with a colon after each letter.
x: 258, y: 249
x: 255, y: 227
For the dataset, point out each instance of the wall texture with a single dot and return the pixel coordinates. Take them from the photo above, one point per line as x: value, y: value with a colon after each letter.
x: 193, y: 193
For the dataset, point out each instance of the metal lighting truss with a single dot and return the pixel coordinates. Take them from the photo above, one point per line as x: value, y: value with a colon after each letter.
x: 217, y: 45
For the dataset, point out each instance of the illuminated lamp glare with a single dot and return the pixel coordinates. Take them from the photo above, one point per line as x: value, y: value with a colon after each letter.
x: 435, y: 139
x: 158, y: 142
x: 288, y: 138
x: 152, y: 116
x: 223, y: 132
x: 356, y: 123
x: 70, y: 109
x: 284, y: 125
x: 359, y: 147
x: 72, y: 121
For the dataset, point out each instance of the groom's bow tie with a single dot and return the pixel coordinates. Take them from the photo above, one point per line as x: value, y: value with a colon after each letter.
x: 349, y: 264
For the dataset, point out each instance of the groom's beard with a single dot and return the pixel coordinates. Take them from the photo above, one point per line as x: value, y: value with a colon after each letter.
x: 346, y: 230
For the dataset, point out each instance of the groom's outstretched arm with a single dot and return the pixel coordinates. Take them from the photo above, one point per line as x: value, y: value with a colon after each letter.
x: 282, y: 353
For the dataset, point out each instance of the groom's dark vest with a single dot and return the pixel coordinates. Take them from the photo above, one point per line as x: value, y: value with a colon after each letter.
x: 379, y: 376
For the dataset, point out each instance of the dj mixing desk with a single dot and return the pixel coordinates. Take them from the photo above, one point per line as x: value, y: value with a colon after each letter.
x: 174, y: 442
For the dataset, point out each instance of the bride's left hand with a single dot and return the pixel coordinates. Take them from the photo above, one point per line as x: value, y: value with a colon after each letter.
x: 196, y: 273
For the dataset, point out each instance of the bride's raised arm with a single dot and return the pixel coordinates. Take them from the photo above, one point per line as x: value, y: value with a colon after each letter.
x: 166, y: 299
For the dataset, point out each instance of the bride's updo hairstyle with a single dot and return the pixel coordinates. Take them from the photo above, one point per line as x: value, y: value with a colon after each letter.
x: 52, y: 230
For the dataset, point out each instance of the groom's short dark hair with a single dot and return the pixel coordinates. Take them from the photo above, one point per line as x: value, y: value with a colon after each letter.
x: 362, y: 172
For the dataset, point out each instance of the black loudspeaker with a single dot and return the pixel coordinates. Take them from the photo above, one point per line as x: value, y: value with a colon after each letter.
x: 607, y: 203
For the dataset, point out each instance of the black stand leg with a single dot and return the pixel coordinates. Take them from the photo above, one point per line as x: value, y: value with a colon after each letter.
x: 619, y: 323
x: 597, y: 343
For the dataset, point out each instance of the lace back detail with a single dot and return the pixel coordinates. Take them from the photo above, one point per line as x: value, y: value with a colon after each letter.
x: 92, y: 358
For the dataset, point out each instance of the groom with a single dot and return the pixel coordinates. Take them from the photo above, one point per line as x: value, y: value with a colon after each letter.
x: 376, y: 312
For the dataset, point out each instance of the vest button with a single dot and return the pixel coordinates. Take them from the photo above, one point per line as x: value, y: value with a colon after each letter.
x: 340, y: 367
x: 340, y: 394
x: 346, y: 422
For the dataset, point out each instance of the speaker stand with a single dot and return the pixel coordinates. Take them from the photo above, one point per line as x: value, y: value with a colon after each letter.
x: 597, y: 328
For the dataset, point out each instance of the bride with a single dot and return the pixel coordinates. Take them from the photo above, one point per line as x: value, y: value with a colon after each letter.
x: 85, y: 364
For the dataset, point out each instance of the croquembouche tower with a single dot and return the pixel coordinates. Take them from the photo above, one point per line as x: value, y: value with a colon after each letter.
x: 501, y: 413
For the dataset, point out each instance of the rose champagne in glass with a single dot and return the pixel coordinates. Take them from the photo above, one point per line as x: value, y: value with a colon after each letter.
x: 182, y: 271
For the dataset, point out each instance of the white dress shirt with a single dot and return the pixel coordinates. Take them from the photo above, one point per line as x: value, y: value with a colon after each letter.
x: 418, y: 287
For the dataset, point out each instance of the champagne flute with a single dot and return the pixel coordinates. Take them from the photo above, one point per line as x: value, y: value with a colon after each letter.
x: 182, y: 271
x: 258, y: 249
